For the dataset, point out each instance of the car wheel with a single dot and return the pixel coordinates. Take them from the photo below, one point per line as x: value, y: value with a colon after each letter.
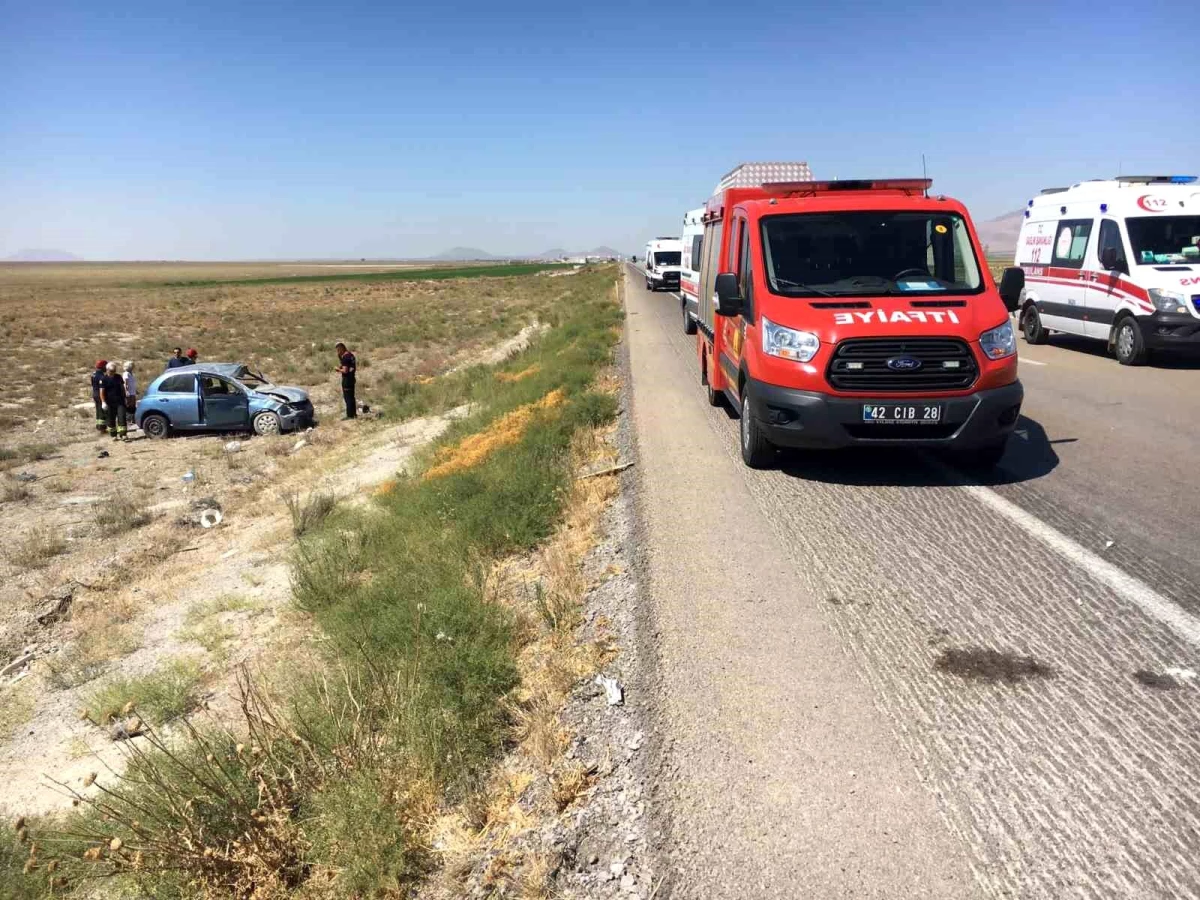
x: 155, y: 426
x: 266, y: 423
x: 757, y: 451
x: 689, y: 324
x: 1031, y: 326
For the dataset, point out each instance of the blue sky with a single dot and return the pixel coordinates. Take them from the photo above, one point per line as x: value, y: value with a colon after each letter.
x: 220, y: 131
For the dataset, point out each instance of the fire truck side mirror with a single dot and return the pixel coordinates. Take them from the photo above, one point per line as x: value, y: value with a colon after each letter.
x: 729, y: 295
x: 1012, y: 282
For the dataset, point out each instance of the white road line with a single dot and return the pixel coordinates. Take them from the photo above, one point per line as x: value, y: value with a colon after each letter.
x: 1030, y: 362
x: 1121, y: 583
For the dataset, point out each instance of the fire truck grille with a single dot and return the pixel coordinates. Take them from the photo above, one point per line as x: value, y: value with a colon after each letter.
x: 911, y: 364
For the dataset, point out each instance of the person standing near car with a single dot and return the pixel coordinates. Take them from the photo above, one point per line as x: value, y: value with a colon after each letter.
x: 176, y: 359
x: 130, y: 382
x: 97, y: 377
x: 348, y: 367
x: 112, y: 401
x: 192, y: 357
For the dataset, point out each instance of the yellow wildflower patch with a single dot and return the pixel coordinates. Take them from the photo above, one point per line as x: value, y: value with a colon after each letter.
x: 505, y: 431
x: 518, y: 376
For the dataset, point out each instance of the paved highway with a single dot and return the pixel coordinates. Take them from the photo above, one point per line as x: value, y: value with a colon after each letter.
x: 829, y: 724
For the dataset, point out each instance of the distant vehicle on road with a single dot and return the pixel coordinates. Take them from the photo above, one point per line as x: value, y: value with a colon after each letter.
x: 662, y: 263
x: 1116, y: 260
x: 689, y: 277
x: 842, y: 313
x: 221, y: 397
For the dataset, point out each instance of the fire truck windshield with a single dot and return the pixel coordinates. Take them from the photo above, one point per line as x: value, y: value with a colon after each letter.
x: 1164, y: 239
x: 856, y: 253
x: 667, y: 258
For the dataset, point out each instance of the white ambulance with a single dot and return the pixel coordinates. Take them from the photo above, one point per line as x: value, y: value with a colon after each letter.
x: 689, y: 278
x: 662, y: 263
x: 1117, y: 260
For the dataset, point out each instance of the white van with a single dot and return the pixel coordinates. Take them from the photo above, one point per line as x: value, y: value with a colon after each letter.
x: 1116, y: 260
x: 689, y: 278
x: 662, y: 263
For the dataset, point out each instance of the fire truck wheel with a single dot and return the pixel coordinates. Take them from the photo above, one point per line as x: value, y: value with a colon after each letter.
x: 689, y: 324
x: 757, y: 451
x: 1031, y: 326
x: 1131, y: 349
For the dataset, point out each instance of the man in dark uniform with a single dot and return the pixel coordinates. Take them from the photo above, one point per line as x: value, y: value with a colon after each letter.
x: 348, y: 367
x: 97, y: 377
x: 176, y: 359
x: 112, y: 401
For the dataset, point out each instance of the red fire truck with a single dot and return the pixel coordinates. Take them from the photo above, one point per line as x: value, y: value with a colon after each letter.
x: 841, y: 313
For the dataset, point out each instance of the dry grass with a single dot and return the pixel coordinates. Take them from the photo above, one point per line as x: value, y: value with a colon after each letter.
x: 120, y: 513
x: 37, y: 548
x: 17, y: 703
x: 505, y: 431
x: 308, y: 512
x: 13, y: 491
x: 103, y: 632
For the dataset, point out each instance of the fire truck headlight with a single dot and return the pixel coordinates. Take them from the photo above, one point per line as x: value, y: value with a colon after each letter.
x: 800, y: 346
x: 1168, y: 301
x: 999, y: 342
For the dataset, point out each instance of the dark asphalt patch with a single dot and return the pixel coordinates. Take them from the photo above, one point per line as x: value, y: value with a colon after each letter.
x: 991, y: 666
x: 1156, y: 680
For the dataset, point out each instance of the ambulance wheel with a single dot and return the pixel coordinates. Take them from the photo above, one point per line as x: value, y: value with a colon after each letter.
x: 1128, y: 343
x: 649, y: 285
x: 266, y: 423
x: 689, y: 324
x: 1031, y: 326
x: 156, y: 426
x: 757, y: 451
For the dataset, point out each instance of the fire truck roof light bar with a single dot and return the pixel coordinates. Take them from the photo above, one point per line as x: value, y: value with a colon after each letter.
x: 875, y: 184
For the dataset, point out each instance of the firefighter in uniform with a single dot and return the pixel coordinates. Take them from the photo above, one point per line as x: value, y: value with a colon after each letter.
x: 97, y: 377
x: 348, y: 367
x: 112, y: 401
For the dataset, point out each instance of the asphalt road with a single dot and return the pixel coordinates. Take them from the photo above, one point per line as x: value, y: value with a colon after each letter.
x: 826, y: 727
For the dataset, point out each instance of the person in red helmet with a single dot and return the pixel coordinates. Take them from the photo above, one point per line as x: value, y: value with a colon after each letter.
x: 192, y: 357
x: 97, y: 378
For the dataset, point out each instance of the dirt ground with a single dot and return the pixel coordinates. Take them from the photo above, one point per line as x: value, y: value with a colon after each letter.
x: 104, y: 571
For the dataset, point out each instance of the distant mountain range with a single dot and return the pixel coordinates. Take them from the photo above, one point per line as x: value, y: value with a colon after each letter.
x: 999, y: 235
x: 44, y: 255
x: 461, y: 254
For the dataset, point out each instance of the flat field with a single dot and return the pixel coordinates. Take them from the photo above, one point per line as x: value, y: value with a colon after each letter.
x: 58, y: 319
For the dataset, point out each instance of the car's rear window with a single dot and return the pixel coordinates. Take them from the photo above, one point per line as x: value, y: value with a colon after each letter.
x: 178, y: 384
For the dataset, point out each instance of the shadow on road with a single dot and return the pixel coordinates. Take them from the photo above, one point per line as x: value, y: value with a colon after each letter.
x: 1159, y: 359
x: 1030, y: 455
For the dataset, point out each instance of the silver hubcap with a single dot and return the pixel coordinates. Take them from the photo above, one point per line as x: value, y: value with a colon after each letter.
x: 1125, y: 340
x: 267, y: 425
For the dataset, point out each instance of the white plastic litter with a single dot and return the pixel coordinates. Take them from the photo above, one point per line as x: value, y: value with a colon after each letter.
x: 612, y: 688
x: 188, y: 477
x: 299, y: 445
x: 233, y: 447
x: 210, y: 518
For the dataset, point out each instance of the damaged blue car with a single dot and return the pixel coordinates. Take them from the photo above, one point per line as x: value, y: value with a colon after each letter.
x: 221, y: 397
